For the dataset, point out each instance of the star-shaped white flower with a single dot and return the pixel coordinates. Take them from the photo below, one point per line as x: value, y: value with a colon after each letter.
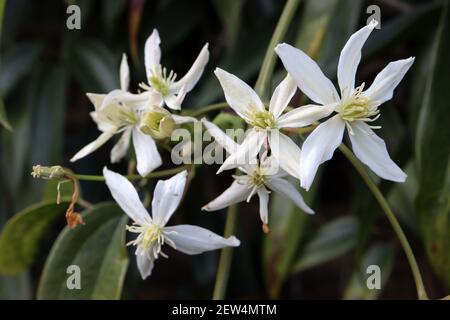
x: 355, y: 107
x: 152, y: 232
x: 138, y: 117
x: 173, y: 91
x: 265, y: 123
x: 256, y: 179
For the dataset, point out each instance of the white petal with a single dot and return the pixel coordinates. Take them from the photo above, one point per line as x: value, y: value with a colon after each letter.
x: 310, y: 79
x: 191, y: 78
x: 287, y: 190
x: 174, y: 101
x: 94, y: 145
x: 145, y: 264
x: 121, y: 147
x: 263, y: 196
x: 286, y: 152
x: 221, y: 137
x: 350, y: 58
x: 387, y: 80
x: 238, y: 94
x: 194, y: 240
x: 147, y: 155
x: 246, y: 152
x: 126, y: 196
x: 371, y: 150
x: 183, y: 119
x: 96, y: 99
x: 282, y: 96
x: 124, y: 73
x: 319, y: 147
x: 305, y: 115
x: 234, y: 194
x: 167, y: 197
x: 152, y: 53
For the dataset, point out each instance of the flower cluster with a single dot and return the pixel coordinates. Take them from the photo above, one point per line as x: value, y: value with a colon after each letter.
x: 266, y: 161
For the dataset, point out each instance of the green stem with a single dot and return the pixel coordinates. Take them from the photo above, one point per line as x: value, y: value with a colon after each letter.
x: 156, y: 174
x: 206, y: 109
x: 263, y: 81
x: 223, y: 271
x: 421, y: 293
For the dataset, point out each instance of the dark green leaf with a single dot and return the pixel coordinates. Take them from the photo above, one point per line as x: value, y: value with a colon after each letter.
x: 433, y: 154
x: 3, y: 118
x: 381, y: 255
x: 94, y: 66
x: 98, y: 248
x: 229, y: 12
x: 17, y: 62
x: 19, y: 240
x: 332, y: 240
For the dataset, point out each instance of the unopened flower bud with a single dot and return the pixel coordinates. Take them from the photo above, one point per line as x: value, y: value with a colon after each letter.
x: 49, y: 173
x: 158, y: 123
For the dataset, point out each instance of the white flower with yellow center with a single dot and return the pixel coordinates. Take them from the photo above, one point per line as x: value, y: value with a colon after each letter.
x: 256, y: 179
x: 152, y: 232
x: 266, y: 123
x: 137, y: 117
x: 172, y: 90
x: 355, y: 108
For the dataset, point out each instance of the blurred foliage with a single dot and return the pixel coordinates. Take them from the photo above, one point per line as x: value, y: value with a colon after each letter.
x: 45, y: 70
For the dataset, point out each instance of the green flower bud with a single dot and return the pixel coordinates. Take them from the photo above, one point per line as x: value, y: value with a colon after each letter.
x: 49, y: 173
x: 157, y: 123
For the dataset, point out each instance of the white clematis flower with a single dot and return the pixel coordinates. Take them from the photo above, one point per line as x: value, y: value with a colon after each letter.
x: 137, y: 117
x: 173, y: 91
x: 152, y: 232
x: 265, y: 123
x: 355, y: 107
x: 256, y: 179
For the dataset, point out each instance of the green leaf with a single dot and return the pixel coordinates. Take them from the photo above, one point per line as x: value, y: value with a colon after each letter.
x: 381, y: 255
x: 230, y: 13
x: 111, y: 13
x: 19, y: 240
x: 17, y: 62
x: 332, y: 240
x: 433, y: 154
x: 15, y: 287
x: 228, y: 121
x: 402, y: 197
x: 94, y: 66
x: 98, y: 248
x: 3, y: 118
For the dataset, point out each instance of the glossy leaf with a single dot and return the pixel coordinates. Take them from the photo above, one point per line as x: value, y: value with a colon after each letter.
x: 17, y: 62
x: 97, y: 248
x: 332, y: 240
x: 380, y: 255
x: 433, y: 154
x: 94, y: 66
x: 20, y: 237
x: 3, y: 118
x: 229, y: 12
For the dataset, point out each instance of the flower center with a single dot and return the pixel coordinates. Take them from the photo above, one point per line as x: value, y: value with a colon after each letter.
x: 149, y: 236
x: 358, y: 107
x: 257, y: 178
x: 261, y: 119
x: 160, y: 81
x: 159, y: 84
